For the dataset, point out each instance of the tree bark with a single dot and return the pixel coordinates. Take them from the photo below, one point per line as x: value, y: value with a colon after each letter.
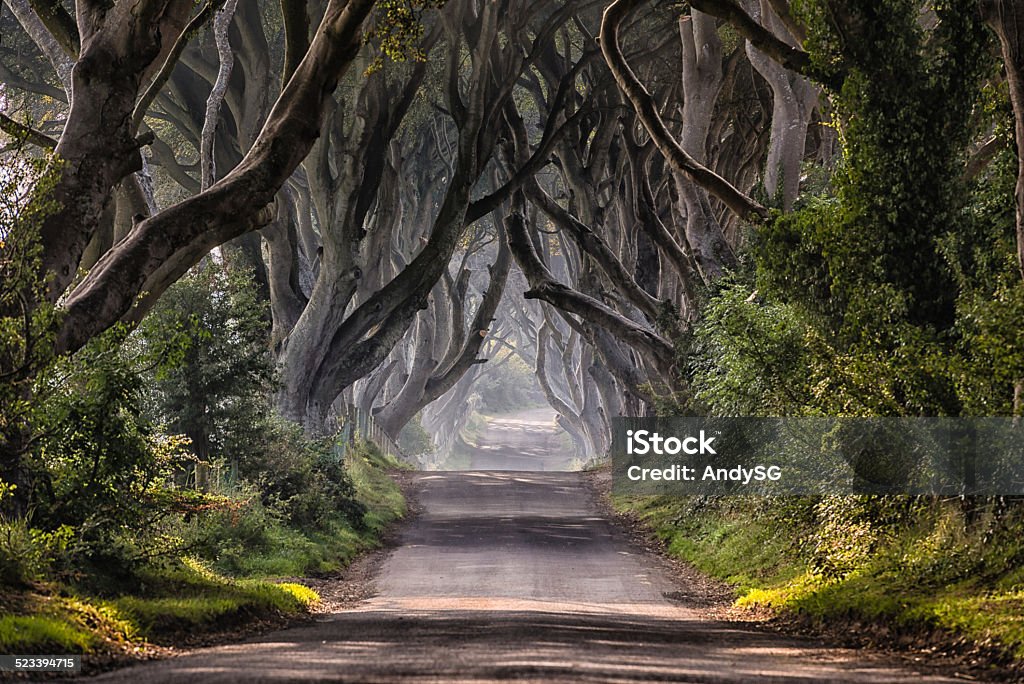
x: 1006, y: 17
x: 680, y: 160
x: 213, y: 103
x: 794, y: 100
x: 702, y: 80
x: 176, y: 238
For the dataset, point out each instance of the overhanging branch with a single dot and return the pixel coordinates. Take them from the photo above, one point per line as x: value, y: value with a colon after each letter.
x: 647, y: 111
x: 20, y: 131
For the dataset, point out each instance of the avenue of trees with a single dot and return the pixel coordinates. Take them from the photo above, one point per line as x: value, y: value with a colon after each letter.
x: 240, y: 221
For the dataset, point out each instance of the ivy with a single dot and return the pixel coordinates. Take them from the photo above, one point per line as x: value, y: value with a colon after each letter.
x: 867, y: 266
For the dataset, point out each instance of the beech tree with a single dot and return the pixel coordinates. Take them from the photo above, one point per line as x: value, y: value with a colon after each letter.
x: 1007, y: 19
x: 610, y: 163
x: 120, y: 53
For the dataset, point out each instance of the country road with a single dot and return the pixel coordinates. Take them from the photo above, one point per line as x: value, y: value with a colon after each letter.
x: 523, y: 440
x: 509, y: 575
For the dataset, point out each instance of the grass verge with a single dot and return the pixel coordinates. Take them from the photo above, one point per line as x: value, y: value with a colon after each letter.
x: 919, y: 578
x: 184, y: 600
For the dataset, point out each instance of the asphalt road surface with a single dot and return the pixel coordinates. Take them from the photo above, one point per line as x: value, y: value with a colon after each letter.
x: 517, y: 576
x: 524, y: 440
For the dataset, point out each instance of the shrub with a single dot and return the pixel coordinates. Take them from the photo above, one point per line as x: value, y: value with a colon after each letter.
x: 27, y: 554
x: 305, y: 479
x: 100, y: 467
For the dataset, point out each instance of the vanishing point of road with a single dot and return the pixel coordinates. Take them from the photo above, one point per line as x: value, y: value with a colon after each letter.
x: 517, y: 575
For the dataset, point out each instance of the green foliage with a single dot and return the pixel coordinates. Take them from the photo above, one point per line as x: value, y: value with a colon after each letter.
x: 181, y: 598
x: 751, y: 359
x: 859, y: 310
x: 893, y: 291
x: 250, y: 539
x: 190, y: 596
x: 213, y: 369
x: 109, y: 498
x: 234, y: 545
x: 100, y: 466
x: 413, y: 439
x: 739, y: 540
x: 27, y: 554
x: 27, y: 321
x: 850, y: 530
x: 85, y: 475
x: 212, y: 380
x: 257, y: 535
x: 303, y: 479
x: 898, y: 559
x: 396, y: 29
x: 383, y: 499
x: 991, y: 302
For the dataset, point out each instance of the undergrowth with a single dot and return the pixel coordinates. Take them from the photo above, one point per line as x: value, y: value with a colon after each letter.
x: 214, y: 587
x: 910, y: 562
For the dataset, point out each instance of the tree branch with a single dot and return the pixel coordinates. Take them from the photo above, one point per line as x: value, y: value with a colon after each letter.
x: 743, y: 206
x: 24, y: 132
x: 981, y: 157
x: 59, y: 23
x: 764, y: 40
x: 591, y: 243
x: 192, y: 28
x: 544, y: 285
x: 296, y: 35
x: 112, y: 287
x: 446, y: 376
x: 207, y: 165
x: 792, y: 24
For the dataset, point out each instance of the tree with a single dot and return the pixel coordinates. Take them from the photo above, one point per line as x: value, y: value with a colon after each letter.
x: 26, y: 329
x: 213, y: 388
x: 1007, y: 20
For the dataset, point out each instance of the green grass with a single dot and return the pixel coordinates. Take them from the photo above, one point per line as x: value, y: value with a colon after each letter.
x: 61, y: 624
x: 724, y: 545
x: 376, y: 490
x: 35, y: 634
x: 926, y: 573
x: 219, y: 603
x: 183, y: 598
x: 270, y: 549
x: 188, y: 596
x: 287, y: 552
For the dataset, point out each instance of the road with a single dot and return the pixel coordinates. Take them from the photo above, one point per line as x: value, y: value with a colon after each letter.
x: 518, y: 575
x: 524, y: 440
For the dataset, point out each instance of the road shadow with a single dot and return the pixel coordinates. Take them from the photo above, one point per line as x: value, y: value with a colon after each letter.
x: 491, y: 646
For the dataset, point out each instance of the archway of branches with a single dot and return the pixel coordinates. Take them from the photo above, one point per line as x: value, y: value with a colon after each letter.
x: 558, y: 183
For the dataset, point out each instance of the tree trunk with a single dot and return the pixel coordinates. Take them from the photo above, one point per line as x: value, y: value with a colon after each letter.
x: 702, y: 80
x: 1006, y: 17
x: 213, y: 103
x: 794, y: 99
x: 677, y: 157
